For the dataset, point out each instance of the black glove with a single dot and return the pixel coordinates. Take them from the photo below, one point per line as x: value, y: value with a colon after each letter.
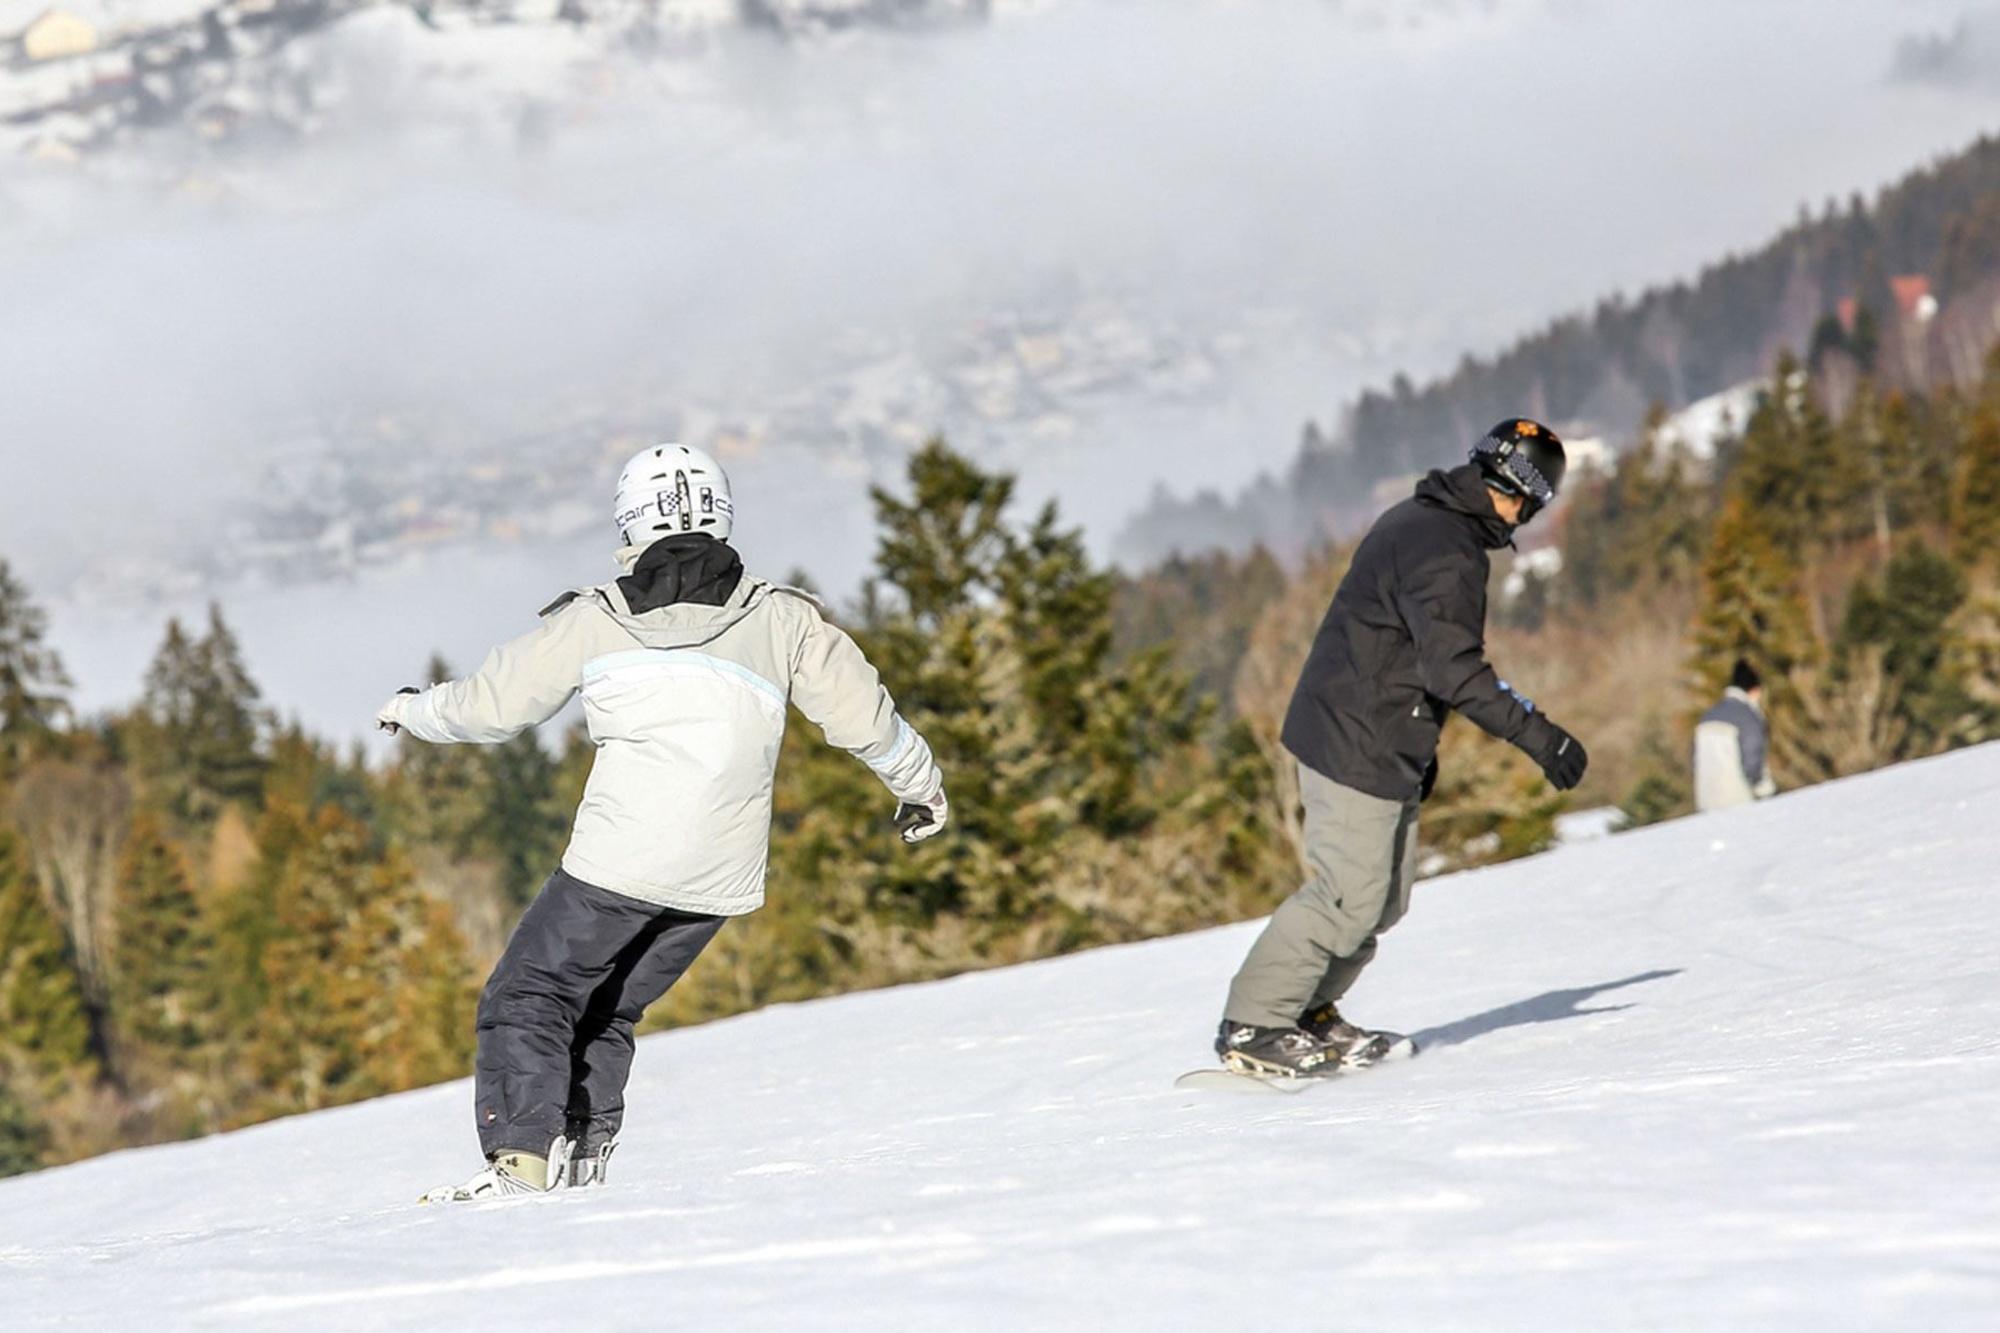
x: 1429, y: 782
x: 1562, y: 758
x: 917, y: 822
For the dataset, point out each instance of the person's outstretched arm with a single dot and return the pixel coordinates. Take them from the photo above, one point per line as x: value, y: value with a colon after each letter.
x: 520, y: 684
x: 838, y: 689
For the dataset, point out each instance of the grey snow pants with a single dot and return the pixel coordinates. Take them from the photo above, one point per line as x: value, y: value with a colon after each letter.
x: 1361, y: 858
x: 555, y: 1020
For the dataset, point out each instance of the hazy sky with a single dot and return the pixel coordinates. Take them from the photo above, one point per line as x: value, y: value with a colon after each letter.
x: 1436, y: 187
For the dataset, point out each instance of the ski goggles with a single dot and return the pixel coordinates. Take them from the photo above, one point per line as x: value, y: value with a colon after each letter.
x: 1508, y: 465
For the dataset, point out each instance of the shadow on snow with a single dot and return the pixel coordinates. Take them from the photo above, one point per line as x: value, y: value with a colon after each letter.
x: 1548, y: 1007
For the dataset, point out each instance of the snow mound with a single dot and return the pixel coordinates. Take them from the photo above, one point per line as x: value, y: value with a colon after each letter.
x: 1702, y: 425
x: 1734, y: 1072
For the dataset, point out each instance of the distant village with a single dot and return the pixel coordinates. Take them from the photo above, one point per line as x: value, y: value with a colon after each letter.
x: 86, y: 75
x: 334, y: 498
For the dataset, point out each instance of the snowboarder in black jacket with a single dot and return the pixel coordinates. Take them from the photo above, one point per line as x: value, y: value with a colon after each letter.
x: 1402, y: 646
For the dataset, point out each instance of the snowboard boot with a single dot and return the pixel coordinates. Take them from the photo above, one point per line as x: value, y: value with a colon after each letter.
x: 1355, y: 1047
x: 593, y: 1167
x: 1275, y: 1053
x: 509, y: 1174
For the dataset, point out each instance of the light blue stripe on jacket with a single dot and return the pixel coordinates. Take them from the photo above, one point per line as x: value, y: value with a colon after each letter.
x: 598, y: 667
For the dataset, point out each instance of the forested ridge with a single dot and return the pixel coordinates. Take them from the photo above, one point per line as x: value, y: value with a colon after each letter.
x: 1601, y: 371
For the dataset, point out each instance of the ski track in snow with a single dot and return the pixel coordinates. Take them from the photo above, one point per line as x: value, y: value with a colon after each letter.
x: 1735, y: 1072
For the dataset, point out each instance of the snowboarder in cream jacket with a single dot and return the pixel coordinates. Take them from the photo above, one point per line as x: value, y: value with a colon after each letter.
x: 686, y: 665
x: 1730, y: 746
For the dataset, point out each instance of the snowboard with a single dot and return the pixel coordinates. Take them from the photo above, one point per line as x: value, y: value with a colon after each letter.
x: 1228, y: 1080
x: 1231, y: 1080
x: 459, y: 1194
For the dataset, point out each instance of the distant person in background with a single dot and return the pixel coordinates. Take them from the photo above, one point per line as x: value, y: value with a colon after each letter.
x: 1731, y: 745
x: 1402, y: 647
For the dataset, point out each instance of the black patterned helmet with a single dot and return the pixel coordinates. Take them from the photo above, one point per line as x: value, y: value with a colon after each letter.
x: 1522, y: 457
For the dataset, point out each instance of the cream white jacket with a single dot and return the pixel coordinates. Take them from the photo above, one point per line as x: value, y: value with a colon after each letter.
x: 686, y: 705
x: 1730, y: 761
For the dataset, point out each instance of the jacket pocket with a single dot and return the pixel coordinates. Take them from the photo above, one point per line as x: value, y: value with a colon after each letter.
x: 1415, y: 739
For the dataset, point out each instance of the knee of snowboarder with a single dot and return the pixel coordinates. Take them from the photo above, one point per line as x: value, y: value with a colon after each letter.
x: 512, y: 998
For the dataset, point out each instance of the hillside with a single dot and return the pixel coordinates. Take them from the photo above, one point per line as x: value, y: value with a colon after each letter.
x: 1736, y: 1072
x: 1902, y: 288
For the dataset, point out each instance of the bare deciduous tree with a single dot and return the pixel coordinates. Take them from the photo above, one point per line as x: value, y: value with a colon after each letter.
x: 74, y: 816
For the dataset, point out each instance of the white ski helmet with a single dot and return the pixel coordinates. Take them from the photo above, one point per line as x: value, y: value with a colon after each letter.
x: 672, y: 488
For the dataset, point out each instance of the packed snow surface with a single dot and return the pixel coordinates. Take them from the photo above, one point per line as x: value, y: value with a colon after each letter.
x: 1733, y: 1072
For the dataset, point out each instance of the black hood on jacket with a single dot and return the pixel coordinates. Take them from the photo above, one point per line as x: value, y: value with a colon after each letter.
x: 687, y: 567
x: 1462, y: 490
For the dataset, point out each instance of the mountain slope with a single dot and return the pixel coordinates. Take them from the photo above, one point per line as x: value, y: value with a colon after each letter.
x: 1739, y: 1071
x: 1599, y: 372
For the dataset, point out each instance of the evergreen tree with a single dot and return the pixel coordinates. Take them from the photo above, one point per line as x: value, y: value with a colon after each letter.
x: 1913, y: 447
x: 32, y: 680
x: 1644, y: 524
x: 167, y: 705
x: 524, y: 825
x: 442, y: 796
x: 44, y: 1029
x: 425, y: 1035
x: 24, y: 1140
x: 1971, y: 648
x: 1058, y: 617
x: 44, y: 1033
x: 1975, y: 492
x: 944, y: 545
x: 246, y: 917
x: 1091, y: 798
x: 1752, y: 608
x: 312, y: 772
x: 199, y: 739
x: 1792, y: 470
x: 230, y: 718
x: 305, y: 1049
x: 161, y: 984
x: 357, y: 962
x: 1972, y: 660
x: 1662, y: 791
x: 1907, y: 619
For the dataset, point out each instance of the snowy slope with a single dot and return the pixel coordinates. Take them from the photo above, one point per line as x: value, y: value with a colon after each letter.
x: 1734, y: 1072
x: 1702, y: 425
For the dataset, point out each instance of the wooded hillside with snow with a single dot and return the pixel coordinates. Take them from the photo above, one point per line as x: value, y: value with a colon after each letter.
x: 1737, y: 1071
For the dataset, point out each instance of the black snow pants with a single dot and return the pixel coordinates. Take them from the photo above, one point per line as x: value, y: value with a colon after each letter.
x: 555, y: 1020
